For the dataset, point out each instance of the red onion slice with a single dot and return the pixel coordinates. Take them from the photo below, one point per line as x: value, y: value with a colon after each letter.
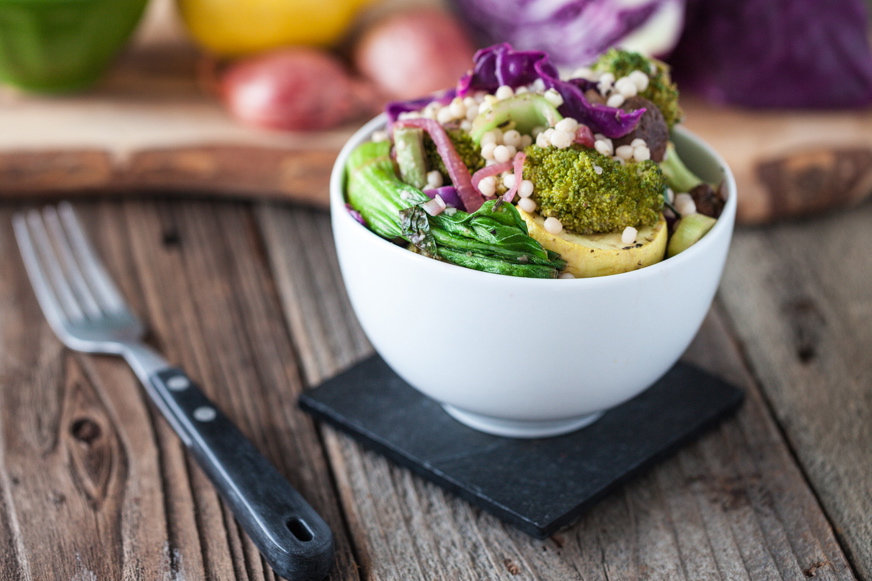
x: 518, y: 165
x: 584, y: 136
x: 435, y: 206
x: 457, y: 170
x: 489, y: 170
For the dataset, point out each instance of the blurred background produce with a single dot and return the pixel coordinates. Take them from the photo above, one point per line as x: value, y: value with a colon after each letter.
x: 304, y: 65
x: 782, y: 53
x: 62, y: 45
x: 294, y: 88
x: 573, y: 32
x: 754, y: 53
x: 241, y: 27
x: 413, y: 52
x: 780, y: 87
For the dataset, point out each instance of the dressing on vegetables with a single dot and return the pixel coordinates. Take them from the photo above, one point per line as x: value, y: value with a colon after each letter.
x: 518, y: 171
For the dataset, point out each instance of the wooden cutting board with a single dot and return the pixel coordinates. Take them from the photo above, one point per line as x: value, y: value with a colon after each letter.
x: 789, y: 163
x: 149, y: 126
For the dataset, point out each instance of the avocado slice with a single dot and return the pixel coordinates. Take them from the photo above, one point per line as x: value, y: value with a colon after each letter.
x: 524, y: 111
x: 688, y: 231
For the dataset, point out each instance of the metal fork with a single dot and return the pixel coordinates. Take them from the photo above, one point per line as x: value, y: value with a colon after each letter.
x: 88, y: 313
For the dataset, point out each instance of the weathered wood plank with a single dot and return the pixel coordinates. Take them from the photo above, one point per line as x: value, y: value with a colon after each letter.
x: 79, y: 461
x: 799, y: 296
x: 733, y: 505
x: 241, y: 351
x: 83, y: 450
x: 319, y: 311
x: 766, y: 477
x: 730, y: 506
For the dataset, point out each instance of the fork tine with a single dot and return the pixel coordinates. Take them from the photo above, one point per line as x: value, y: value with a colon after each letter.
x: 65, y: 255
x: 106, y: 293
x: 52, y: 289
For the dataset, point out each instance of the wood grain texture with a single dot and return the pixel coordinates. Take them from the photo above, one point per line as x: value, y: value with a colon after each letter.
x: 806, y: 183
x: 233, y: 171
x: 731, y: 506
x: 799, y: 296
x: 750, y: 141
x: 250, y: 301
x: 94, y: 484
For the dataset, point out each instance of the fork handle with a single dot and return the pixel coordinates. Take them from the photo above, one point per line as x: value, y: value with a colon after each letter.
x: 292, y: 537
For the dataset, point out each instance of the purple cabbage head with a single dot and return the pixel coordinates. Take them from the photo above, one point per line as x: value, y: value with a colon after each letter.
x: 573, y: 32
x: 776, y: 53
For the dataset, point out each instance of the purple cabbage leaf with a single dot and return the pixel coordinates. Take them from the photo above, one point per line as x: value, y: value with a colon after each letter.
x: 776, y: 53
x: 573, y: 32
x: 500, y: 64
x: 394, y: 109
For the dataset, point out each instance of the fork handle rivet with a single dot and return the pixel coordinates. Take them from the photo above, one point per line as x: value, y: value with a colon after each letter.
x: 205, y: 414
x: 178, y: 383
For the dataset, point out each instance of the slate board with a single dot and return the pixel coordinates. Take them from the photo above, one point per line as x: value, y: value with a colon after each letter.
x: 538, y: 485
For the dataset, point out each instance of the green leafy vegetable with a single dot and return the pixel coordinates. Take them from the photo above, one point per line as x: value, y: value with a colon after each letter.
x: 492, y: 239
x: 374, y: 190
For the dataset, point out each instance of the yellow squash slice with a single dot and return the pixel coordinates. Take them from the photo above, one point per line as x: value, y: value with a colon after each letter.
x: 601, y: 254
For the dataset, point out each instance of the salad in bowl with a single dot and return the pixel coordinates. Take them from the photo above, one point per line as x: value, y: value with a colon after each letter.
x: 516, y: 166
x: 449, y: 211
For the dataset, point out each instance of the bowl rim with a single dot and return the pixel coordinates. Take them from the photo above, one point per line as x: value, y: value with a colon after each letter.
x: 725, y: 222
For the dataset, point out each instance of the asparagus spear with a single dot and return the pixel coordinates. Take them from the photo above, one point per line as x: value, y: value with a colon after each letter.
x: 492, y: 239
x: 410, y: 155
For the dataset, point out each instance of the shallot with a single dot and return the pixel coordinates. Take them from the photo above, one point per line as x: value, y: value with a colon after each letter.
x: 300, y: 89
x: 414, y: 52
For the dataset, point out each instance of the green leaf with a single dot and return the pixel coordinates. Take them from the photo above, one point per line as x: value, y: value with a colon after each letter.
x: 415, y: 225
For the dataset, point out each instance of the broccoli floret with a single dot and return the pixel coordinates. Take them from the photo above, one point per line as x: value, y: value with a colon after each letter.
x: 661, y: 90
x: 592, y: 193
x: 466, y: 148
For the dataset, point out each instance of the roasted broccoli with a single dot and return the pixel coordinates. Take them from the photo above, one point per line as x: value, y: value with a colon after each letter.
x: 592, y: 193
x: 466, y: 148
x: 661, y: 90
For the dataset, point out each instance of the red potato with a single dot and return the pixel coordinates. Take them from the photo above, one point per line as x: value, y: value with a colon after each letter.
x: 297, y: 89
x: 413, y: 53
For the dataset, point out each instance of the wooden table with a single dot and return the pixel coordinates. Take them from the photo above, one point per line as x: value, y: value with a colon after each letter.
x: 247, y: 296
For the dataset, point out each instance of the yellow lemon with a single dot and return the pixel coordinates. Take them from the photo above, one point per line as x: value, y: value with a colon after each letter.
x: 238, y: 27
x: 601, y: 254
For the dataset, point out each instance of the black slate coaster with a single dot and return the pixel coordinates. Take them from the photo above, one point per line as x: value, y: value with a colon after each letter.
x: 537, y: 485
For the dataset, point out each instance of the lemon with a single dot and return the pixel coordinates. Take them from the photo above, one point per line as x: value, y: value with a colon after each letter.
x: 239, y: 27
x: 601, y: 254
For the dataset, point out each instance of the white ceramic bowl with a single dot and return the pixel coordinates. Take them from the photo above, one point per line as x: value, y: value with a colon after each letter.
x: 525, y: 357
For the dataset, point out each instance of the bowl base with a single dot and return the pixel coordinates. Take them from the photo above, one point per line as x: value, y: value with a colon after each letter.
x: 520, y: 428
